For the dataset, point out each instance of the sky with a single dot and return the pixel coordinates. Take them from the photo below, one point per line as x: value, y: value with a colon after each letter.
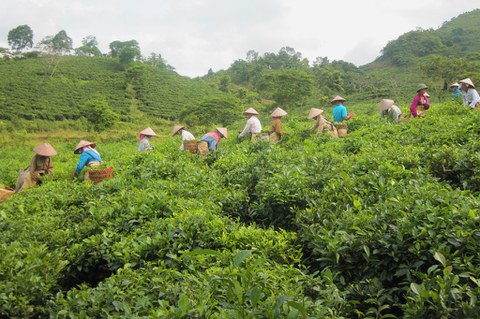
x: 196, y: 35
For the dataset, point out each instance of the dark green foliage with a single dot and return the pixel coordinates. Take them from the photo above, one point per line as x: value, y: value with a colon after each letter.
x: 20, y: 37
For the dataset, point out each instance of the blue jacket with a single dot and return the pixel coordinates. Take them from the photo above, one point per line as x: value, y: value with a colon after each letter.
x: 87, y: 157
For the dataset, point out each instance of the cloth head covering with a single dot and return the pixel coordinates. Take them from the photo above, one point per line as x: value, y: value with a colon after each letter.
x: 338, y: 98
x: 426, y: 94
x: 421, y: 86
x: 251, y: 110
x: 278, y: 112
x: 385, y: 104
x: 45, y: 149
x: 223, y: 131
x: 177, y: 128
x: 314, y: 112
x: 467, y: 81
x: 148, y: 132
x: 82, y: 144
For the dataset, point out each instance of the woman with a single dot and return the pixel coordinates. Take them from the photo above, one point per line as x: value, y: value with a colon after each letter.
x: 469, y: 94
x: 186, y: 136
x: 389, y: 110
x: 144, y: 139
x: 209, y: 142
x: 339, y: 110
x: 322, y: 125
x: 420, y: 102
x: 89, y: 157
x: 276, y: 129
x: 40, y: 165
x: 253, y: 126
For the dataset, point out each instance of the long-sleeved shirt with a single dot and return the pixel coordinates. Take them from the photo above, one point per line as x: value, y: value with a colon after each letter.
x: 186, y: 136
x: 212, y: 138
x: 87, y: 157
x: 321, y: 124
x: 393, y: 112
x: 471, y: 97
x: 339, y: 113
x: 417, y: 101
x: 144, y: 144
x: 276, y: 126
x: 253, y: 126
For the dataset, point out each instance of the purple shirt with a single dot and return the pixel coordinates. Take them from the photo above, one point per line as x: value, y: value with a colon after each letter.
x: 416, y: 102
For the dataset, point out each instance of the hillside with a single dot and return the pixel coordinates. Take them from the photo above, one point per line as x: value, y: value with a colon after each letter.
x: 29, y: 91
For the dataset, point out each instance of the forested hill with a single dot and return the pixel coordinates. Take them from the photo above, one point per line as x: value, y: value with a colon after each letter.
x: 70, y: 87
x: 459, y: 37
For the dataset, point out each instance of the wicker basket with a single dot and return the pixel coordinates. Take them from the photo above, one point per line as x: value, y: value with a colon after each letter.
x: 98, y: 175
x: 191, y: 146
x: 341, y: 129
x: 5, y: 193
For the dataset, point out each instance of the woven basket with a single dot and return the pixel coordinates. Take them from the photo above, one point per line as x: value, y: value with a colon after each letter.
x: 341, y: 129
x: 98, y: 175
x: 191, y: 146
x: 5, y: 193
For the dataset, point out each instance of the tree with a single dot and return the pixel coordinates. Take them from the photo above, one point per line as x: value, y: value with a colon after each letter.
x: 99, y: 113
x: 222, y: 110
x: 126, y: 51
x: 89, y: 47
x: 288, y: 86
x: 158, y: 61
x: 53, y: 47
x: 20, y: 38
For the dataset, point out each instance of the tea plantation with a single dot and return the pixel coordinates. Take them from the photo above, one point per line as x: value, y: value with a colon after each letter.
x: 383, y: 223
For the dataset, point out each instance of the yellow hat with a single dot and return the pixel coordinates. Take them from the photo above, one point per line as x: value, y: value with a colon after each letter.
x: 278, y: 112
x: 251, y: 110
x: 314, y: 112
x: 385, y: 104
x: 82, y: 144
x: 177, y: 128
x: 223, y: 131
x: 338, y: 98
x: 148, y: 131
x: 45, y: 149
x: 467, y: 81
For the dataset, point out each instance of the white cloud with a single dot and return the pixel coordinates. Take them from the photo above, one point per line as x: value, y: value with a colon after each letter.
x: 195, y: 35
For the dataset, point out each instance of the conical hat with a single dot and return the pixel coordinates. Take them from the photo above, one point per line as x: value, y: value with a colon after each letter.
x: 385, y: 104
x: 338, y: 98
x: 467, y: 81
x: 278, y: 112
x: 426, y: 94
x: 251, y: 110
x: 177, y: 128
x: 223, y: 131
x: 83, y: 143
x: 453, y: 85
x: 148, y: 131
x: 421, y: 86
x: 45, y: 149
x: 314, y: 112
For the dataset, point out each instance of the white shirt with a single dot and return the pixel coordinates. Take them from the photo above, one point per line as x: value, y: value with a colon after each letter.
x: 393, y: 111
x: 470, y: 97
x: 253, y: 126
x: 186, y: 136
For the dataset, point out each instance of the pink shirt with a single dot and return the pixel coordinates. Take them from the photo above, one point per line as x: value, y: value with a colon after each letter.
x: 415, y: 103
x: 216, y: 135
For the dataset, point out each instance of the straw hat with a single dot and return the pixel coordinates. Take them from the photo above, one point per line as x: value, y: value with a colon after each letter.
x: 455, y: 85
x: 148, y: 132
x: 421, y: 86
x: 223, y: 131
x: 83, y: 143
x: 314, y: 113
x: 385, y: 104
x: 338, y: 98
x: 278, y: 112
x: 251, y: 110
x: 45, y: 149
x: 177, y: 128
x: 467, y: 81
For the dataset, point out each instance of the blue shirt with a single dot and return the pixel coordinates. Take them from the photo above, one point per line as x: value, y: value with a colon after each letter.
x: 456, y: 94
x: 339, y: 113
x: 87, y: 157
